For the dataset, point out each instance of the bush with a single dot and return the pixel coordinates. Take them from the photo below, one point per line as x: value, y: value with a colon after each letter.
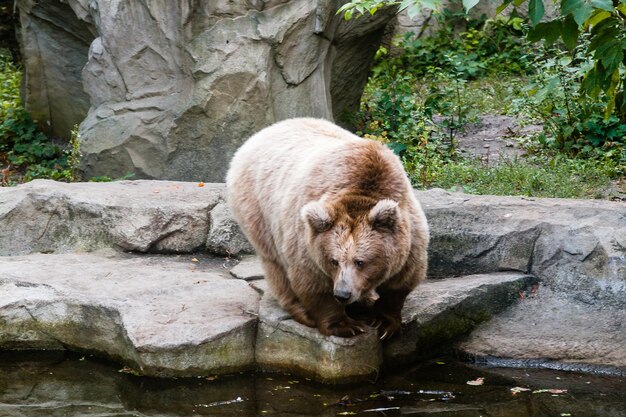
x: 574, y: 121
x: 25, y: 152
x: 483, y: 47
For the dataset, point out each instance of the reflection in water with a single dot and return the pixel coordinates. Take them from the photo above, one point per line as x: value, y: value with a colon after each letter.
x: 68, y: 385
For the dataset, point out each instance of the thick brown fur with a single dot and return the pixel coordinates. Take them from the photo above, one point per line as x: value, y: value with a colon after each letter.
x: 332, y: 217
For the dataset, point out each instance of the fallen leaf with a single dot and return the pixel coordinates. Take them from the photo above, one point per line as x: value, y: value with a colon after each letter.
x: 477, y: 381
x: 517, y: 390
x: 551, y: 391
x: 194, y: 259
x: 200, y: 184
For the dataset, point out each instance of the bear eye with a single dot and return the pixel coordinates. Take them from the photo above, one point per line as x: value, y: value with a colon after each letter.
x: 334, y: 262
x: 359, y: 263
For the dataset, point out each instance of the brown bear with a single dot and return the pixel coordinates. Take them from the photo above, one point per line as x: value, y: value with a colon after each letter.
x: 334, y: 221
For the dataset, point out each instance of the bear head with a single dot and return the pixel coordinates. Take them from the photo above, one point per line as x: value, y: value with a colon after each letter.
x: 358, y: 242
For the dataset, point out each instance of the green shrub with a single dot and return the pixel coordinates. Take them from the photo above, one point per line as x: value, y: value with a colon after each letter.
x: 483, y: 47
x: 25, y: 152
x: 417, y: 102
x: 574, y: 121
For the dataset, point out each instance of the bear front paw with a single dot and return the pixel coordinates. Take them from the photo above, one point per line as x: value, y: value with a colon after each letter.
x: 387, y: 326
x: 344, y: 328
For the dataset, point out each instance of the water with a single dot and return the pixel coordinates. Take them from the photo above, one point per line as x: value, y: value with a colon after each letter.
x: 70, y: 385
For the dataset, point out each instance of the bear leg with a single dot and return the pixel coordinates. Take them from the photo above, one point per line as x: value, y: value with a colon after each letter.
x: 331, y: 317
x: 277, y: 278
x: 388, y: 311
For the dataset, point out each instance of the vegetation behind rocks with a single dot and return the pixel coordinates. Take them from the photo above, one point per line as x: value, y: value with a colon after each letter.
x: 420, y: 101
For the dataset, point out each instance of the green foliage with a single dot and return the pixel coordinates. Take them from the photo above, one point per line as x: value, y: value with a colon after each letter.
x: 574, y: 120
x: 484, y: 47
x: 25, y: 152
x: 418, y: 101
x: 604, y: 20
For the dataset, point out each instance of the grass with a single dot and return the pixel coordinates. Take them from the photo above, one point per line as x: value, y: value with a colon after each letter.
x: 531, y: 177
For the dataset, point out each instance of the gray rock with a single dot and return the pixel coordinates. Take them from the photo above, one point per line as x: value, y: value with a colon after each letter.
x: 425, y: 23
x: 575, y: 246
x: 439, y: 312
x: 553, y: 331
x: 167, y: 316
x: 282, y: 344
x: 248, y: 269
x: 55, y: 38
x: 158, y: 316
x: 435, y: 314
x: 173, y: 90
x: 140, y: 216
x: 225, y: 237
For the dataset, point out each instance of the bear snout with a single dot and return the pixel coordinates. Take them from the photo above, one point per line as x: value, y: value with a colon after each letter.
x: 342, y: 295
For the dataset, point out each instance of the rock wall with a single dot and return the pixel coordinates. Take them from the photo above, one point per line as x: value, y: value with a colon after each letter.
x: 173, y: 88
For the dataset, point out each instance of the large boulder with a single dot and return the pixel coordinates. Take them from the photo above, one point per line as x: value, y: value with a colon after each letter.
x: 162, y: 317
x: 174, y: 89
x: 575, y: 246
x: 136, y: 216
x: 55, y: 39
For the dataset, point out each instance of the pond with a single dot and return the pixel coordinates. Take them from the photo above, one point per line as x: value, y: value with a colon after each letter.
x: 58, y: 384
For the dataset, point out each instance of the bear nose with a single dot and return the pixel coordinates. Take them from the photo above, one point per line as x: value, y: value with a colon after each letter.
x: 343, y: 296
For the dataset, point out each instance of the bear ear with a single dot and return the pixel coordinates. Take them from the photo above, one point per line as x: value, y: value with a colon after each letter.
x: 317, y: 216
x: 384, y: 215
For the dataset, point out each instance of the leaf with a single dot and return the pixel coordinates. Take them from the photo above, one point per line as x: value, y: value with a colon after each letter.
x: 608, y: 50
x: 580, y: 9
x: 405, y: 4
x: 476, y: 382
x: 597, y: 17
x: 429, y: 4
x: 550, y: 31
x: 603, y: 4
x: 396, y: 147
x: 569, y: 32
x: 469, y: 4
x: 611, y: 93
x: 503, y: 6
x: 535, y: 11
x: 550, y: 391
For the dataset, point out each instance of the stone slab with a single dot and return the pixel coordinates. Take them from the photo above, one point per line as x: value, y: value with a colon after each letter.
x: 139, y: 216
x: 439, y: 312
x: 158, y: 315
x: 550, y: 330
x: 574, y: 246
x: 436, y: 313
x: 248, y: 269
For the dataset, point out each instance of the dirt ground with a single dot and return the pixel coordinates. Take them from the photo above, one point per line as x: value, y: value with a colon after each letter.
x: 492, y: 138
